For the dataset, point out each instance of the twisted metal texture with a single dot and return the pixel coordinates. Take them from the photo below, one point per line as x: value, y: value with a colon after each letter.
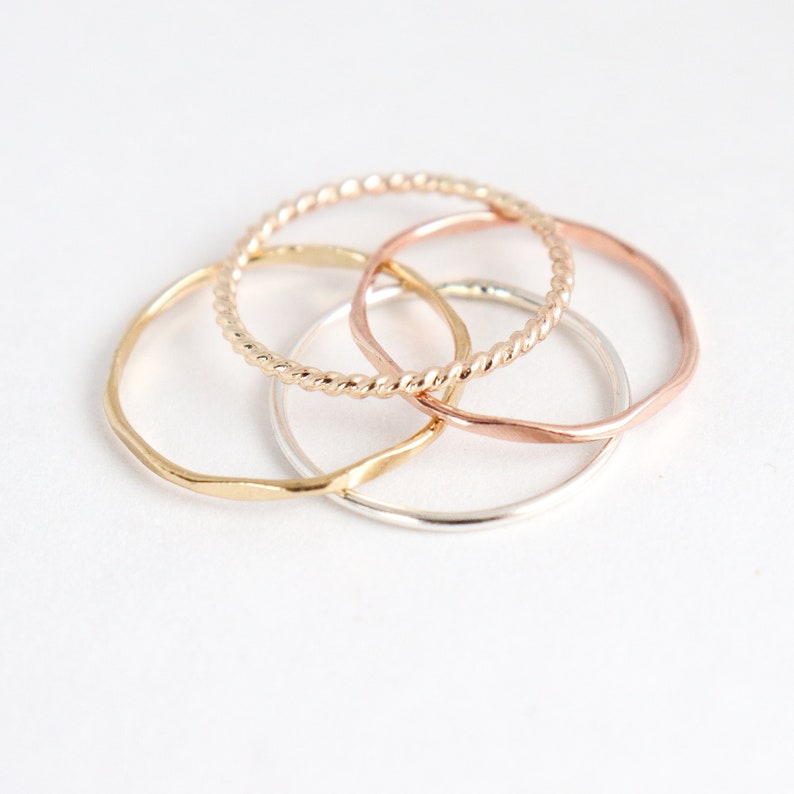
x: 409, y: 382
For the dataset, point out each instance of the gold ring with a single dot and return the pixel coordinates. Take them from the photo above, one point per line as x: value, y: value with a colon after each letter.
x: 255, y: 489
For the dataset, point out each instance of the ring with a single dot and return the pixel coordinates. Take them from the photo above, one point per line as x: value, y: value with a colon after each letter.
x: 394, y: 382
x: 476, y: 519
x: 247, y: 488
x: 510, y: 429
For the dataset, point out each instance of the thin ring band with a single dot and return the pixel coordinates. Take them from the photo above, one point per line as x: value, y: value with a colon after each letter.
x: 510, y: 429
x: 403, y: 382
x: 475, y: 519
x: 247, y: 488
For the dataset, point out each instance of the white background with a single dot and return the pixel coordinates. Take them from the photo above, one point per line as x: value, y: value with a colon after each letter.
x: 637, y: 638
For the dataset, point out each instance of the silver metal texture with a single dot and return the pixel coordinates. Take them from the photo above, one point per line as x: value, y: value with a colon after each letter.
x: 474, y: 519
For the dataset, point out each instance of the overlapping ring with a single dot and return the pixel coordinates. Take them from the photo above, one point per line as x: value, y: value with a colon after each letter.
x: 390, y: 380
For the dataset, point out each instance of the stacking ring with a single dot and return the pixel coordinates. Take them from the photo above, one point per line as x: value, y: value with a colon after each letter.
x: 475, y: 519
x: 247, y: 488
x: 510, y: 429
x: 434, y: 390
x: 394, y: 382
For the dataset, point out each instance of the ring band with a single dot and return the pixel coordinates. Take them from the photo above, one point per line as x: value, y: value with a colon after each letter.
x: 517, y: 429
x: 394, y: 382
x: 247, y: 488
x: 475, y: 519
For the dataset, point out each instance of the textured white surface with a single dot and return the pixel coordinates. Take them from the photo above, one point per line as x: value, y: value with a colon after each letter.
x: 639, y: 638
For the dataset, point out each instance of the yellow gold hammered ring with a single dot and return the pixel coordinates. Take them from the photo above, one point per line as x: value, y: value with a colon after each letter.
x: 255, y: 489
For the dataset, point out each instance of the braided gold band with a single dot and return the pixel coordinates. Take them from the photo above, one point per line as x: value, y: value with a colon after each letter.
x: 247, y: 488
x: 390, y: 383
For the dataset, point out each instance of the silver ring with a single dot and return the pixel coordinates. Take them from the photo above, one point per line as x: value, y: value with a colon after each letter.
x: 441, y: 521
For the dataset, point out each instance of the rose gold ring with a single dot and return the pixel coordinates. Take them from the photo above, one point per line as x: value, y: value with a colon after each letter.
x: 518, y: 429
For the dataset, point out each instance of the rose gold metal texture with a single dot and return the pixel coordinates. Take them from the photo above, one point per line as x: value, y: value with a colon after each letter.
x: 248, y: 488
x: 510, y: 429
x: 394, y: 382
